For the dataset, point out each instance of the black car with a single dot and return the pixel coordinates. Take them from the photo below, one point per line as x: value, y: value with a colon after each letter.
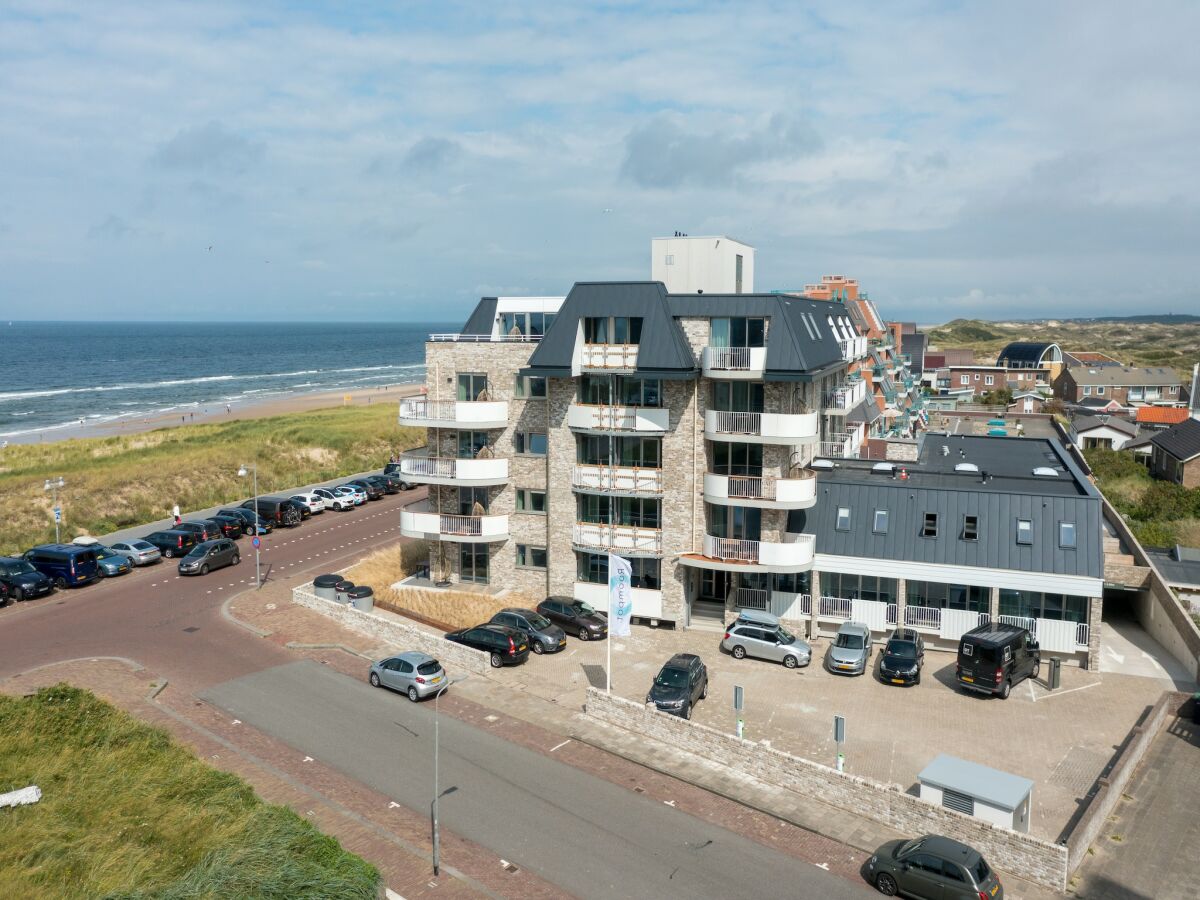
x: 932, y: 866
x: 279, y: 511
x: 232, y: 527
x: 210, y: 555
x: 994, y: 657
x: 373, y: 491
x: 384, y: 483
x: 679, y: 684
x: 505, y: 646
x: 575, y: 617
x: 903, y: 658
x: 202, y: 529
x: 171, y: 542
x: 265, y: 525
x: 544, y: 636
x: 22, y: 580
x: 392, y: 470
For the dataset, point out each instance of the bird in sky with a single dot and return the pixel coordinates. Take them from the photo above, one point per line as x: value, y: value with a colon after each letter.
x: 210, y: 248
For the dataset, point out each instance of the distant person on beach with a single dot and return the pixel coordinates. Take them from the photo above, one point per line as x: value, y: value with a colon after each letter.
x: 227, y: 409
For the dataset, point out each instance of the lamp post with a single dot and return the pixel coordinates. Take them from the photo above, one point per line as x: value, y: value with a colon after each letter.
x: 52, y: 485
x: 243, y: 471
x: 437, y: 844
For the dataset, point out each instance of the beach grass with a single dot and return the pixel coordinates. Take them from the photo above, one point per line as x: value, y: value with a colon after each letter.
x: 125, y: 480
x: 126, y: 812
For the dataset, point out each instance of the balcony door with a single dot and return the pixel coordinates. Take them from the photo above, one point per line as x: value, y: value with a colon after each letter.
x: 470, y: 443
x: 468, y: 497
x: 737, y: 396
x: 472, y: 385
x: 737, y: 459
x: 473, y: 563
x: 738, y: 331
x: 742, y: 523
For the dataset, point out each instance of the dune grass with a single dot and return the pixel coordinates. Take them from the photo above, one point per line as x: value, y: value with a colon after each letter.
x: 128, y: 813
x: 116, y: 482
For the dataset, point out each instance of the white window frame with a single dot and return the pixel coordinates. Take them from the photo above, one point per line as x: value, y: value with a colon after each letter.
x: 989, y: 379
x: 964, y: 380
x: 1025, y: 526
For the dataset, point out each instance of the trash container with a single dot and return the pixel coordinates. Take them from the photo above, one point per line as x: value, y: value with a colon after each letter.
x: 342, y: 590
x: 362, y: 597
x: 325, y: 586
x: 1055, y: 673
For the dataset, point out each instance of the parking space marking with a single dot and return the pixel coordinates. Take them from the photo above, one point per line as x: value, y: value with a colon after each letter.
x: 1067, y: 691
x: 559, y: 746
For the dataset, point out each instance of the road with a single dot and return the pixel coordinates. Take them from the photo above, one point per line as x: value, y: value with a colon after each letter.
x: 587, y: 835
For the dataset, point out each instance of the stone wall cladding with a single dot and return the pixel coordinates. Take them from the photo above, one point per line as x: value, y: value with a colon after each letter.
x: 403, y: 636
x: 1037, y: 860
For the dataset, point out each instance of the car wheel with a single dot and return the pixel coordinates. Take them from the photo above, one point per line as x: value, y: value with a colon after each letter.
x: 739, y: 652
x: 236, y: 559
x: 917, y: 680
x: 1037, y: 670
x: 538, y: 648
x: 687, y: 712
x: 583, y: 634
x: 790, y: 662
x: 129, y: 559
x: 1005, y: 690
x: 886, y: 884
x: 413, y: 695
x: 704, y: 693
x: 374, y: 679
x: 169, y: 554
x: 496, y: 661
x: 18, y: 594
x: 60, y: 583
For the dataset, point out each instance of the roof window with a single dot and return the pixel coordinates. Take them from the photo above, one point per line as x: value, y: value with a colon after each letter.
x: 929, y: 528
x: 880, y: 525
x: 843, y: 518
x: 1024, y: 531
x: 970, y: 530
x: 1066, y: 535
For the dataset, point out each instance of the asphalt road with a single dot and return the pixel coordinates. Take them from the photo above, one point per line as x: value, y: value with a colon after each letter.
x: 590, y: 837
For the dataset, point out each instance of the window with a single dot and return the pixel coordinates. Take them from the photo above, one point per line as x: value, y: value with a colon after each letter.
x: 531, y: 501
x: 989, y: 379
x: 472, y: 386
x: 947, y: 596
x: 530, y: 443
x: 1100, y: 390
x: 737, y: 459
x: 529, y: 387
x: 1035, y: 605
x: 843, y: 518
x: 592, y: 568
x: 513, y: 324
x: 1024, y: 531
x: 640, y: 392
x: 976, y: 376
x: 612, y: 329
x: 929, y: 527
x: 529, y: 557
x: 970, y: 531
x: 738, y: 331
x: 1066, y: 535
x: 470, y: 443
x: 858, y: 587
x: 1173, y: 389
x: 880, y: 524
x: 738, y: 396
x: 964, y: 380
x: 1087, y: 390
x: 670, y: 260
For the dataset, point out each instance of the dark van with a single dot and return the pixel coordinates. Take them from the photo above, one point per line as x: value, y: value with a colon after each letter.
x: 280, y: 511
x: 66, y: 565
x: 994, y: 657
x: 171, y: 542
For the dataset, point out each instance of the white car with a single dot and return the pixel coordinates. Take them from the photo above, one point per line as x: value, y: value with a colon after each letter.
x: 334, y: 500
x: 358, y: 495
x: 314, y: 502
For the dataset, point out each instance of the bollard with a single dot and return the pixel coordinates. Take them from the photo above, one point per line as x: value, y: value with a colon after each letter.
x: 1055, y: 673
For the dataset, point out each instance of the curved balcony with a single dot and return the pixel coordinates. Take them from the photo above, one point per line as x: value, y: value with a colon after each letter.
x: 603, y: 419
x: 793, y: 554
x: 761, y: 428
x: 626, y: 480
x: 734, y: 362
x: 608, y: 357
x: 419, y: 468
x: 624, y: 539
x: 418, y: 522
x: 766, y: 492
x: 423, y: 412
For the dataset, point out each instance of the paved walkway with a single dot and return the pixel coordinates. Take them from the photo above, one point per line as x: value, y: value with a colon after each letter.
x: 1127, y: 649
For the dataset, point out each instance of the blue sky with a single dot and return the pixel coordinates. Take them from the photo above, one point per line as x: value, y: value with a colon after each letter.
x: 396, y: 161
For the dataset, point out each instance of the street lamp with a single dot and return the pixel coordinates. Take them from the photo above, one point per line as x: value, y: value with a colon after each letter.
x: 243, y: 471
x: 52, y: 485
x: 437, y: 844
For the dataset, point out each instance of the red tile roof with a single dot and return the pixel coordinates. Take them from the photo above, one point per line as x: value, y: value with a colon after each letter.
x: 1161, y: 415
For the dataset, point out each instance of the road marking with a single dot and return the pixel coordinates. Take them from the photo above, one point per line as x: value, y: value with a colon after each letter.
x: 669, y: 802
x: 824, y: 866
x: 558, y: 746
x: 1032, y: 695
x: 389, y: 894
x: 308, y: 759
x: 1071, y: 690
x: 393, y: 805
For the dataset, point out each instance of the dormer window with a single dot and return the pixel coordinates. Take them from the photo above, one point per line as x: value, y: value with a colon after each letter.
x: 930, y: 525
x: 880, y: 525
x: 843, y: 518
x: 970, y: 530
x: 1024, y: 531
x: 1066, y: 535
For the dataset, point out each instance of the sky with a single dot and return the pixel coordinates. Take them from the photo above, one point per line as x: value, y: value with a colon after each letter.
x: 396, y: 161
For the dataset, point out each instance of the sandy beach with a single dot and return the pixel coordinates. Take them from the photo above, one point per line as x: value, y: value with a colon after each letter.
x: 219, y: 412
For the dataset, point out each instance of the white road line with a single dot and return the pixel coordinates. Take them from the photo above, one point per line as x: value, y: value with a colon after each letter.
x: 1071, y: 690
x: 558, y: 746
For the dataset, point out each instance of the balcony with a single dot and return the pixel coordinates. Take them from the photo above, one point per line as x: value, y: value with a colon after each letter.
x: 599, y: 418
x: 853, y: 348
x: 624, y: 539
x: 625, y: 480
x: 417, y: 521
x: 458, y: 338
x: 734, y: 362
x: 841, y: 445
x: 761, y: 428
x: 793, y: 554
x: 609, y: 357
x: 423, y: 412
x: 842, y: 399
x: 420, y: 468
x: 769, y: 492
x: 647, y: 604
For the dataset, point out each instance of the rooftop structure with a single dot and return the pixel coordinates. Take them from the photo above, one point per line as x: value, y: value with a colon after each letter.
x: 715, y: 264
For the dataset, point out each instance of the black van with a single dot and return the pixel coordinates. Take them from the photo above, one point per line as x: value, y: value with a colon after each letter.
x: 172, y: 542
x: 994, y: 657
x: 280, y: 511
x: 66, y: 565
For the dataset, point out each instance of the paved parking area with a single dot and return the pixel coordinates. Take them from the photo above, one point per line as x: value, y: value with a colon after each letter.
x: 1060, y: 740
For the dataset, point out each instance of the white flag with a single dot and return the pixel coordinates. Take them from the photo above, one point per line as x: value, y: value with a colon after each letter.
x: 620, y: 600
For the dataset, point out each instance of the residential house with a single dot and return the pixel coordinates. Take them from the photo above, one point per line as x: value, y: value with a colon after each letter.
x: 1159, y: 418
x: 1176, y: 454
x: 1128, y: 385
x: 1106, y: 432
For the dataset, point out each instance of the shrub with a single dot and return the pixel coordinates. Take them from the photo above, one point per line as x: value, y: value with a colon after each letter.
x: 1155, y: 534
x: 1114, y: 464
x: 1163, y: 500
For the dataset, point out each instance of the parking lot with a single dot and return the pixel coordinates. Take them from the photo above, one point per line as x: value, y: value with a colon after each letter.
x: 1061, y: 740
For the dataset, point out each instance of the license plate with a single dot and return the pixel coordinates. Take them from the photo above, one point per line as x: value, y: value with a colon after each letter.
x: 897, y: 681
x: 995, y: 887
x: 968, y: 678
x: 435, y: 680
x: 842, y: 666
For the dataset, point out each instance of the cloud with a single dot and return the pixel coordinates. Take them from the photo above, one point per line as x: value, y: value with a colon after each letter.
x: 113, y: 228
x: 207, y: 148
x: 430, y: 154
x: 390, y: 232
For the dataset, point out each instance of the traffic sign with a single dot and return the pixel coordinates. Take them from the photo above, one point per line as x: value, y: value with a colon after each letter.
x: 58, y: 514
x: 256, y: 542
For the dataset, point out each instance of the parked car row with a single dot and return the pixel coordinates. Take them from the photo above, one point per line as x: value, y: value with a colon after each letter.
x: 511, y: 634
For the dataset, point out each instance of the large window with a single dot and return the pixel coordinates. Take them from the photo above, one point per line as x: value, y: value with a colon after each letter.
x: 529, y: 443
x: 792, y: 583
x: 633, y: 452
x: 530, y: 557
x: 740, y: 523
x: 638, y: 512
x: 473, y: 563
x: 858, y: 587
x: 525, y: 323
x: 472, y: 386
x: 529, y: 387
x: 530, y: 501
x: 737, y: 396
x: 946, y: 596
x: 470, y: 443
x: 593, y: 569
x: 601, y: 390
x: 612, y: 330
x: 737, y: 459
x: 1036, y: 605
x: 739, y: 332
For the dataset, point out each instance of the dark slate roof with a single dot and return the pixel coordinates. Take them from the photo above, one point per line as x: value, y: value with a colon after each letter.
x: 1087, y: 423
x: 866, y: 412
x: 482, y: 317
x: 1023, y: 353
x: 1179, y: 566
x: 914, y: 344
x: 1010, y: 492
x: 1182, y: 441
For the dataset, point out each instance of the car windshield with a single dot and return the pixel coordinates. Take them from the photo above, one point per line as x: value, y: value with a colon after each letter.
x: 21, y: 567
x: 198, y: 550
x: 672, y: 678
x: 902, y: 649
x: 980, y: 871
x: 849, y: 641
x: 785, y: 636
x: 582, y: 609
x: 105, y: 553
x: 538, y: 621
x: 429, y: 668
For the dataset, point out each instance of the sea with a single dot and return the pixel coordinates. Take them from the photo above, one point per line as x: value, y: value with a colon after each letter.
x: 53, y: 374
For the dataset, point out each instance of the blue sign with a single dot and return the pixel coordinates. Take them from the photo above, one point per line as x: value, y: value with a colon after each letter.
x: 57, y: 514
x: 256, y: 542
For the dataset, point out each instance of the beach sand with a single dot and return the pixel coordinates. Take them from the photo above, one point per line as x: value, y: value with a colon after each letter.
x: 216, y: 412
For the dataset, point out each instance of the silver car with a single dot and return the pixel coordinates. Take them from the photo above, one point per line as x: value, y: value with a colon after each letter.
x: 139, y: 553
x: 759, y: 634
x: 417, y: 674
x: 850, y: 650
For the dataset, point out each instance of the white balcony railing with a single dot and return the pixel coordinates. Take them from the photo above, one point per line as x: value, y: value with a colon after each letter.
x: 453, y: 413
x: 733, y: 362
x: 609, y: 356
x: 770, y: 492
x: 842, y: 445
x: 617, y: 479
x: 853, y: 348
x: 751, y: 598
x: 793, y: 554
x: 617, y: 538
x: 761, y: 427
x: 844, y: 398
x: 648, y: 419
x: 451, y: 470
x: 923, y: 617
x: 455, y: 337
x: 419, y: 522
x: 834, y: 607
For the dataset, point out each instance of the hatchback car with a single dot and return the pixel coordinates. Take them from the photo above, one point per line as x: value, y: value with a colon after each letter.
x: 112, y: 562
x: 263, y: 526
x: 903, y: 658
x: 759, y: 634
x: 850, y: 650
x: 385, y: 483
x: 394, y: 471
x: 314, y: 503
x: 933, y: 868
x: 417, y: 674
x: 354, y: 492
x: 679, y: 684
x: 544, y: 636
x: 335, y: 501
x: 23, y: 581
x: 210, y: 555
x: 373, y: 491
x: 575, y: 617
x: 139, y: 553
x: 230, y: 527
x: 505, y: 646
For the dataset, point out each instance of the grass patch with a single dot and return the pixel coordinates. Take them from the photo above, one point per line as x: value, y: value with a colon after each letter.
x: 1159, y: 513
x: 117, y: 482
x: 128, y: 813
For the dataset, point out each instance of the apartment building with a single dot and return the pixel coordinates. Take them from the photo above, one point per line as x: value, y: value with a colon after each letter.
x: 1128, y: 385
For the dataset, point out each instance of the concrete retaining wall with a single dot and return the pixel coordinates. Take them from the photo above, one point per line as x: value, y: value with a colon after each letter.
x: 405, y: 637
x: 1034, y: 859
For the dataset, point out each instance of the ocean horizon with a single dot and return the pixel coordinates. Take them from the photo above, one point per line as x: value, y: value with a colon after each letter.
x: 55, y: 374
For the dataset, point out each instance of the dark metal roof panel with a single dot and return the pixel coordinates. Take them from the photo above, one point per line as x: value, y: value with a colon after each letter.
x: 1182, y: 441
x: 482, y: 317
x: 1027, y: 352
